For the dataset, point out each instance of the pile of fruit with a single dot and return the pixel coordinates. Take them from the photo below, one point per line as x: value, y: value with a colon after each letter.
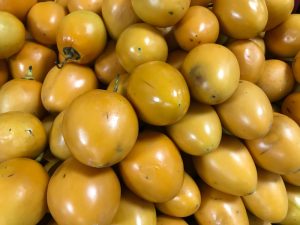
x: 149, y: 112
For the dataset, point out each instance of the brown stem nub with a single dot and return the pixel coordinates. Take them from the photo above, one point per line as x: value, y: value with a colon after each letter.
x: 70, y: 54
x: 29, y: 75
x: 116, y: 84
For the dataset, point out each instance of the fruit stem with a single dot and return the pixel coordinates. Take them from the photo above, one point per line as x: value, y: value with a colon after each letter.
x: 29, y: 74
x: 70, y: 54
x: 116, y: 84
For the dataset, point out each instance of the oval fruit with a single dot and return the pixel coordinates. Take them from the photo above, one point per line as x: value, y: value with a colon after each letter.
x: 140, y: 43
x: 94, y: 127
x: 291, y: 106
x: 79, y: 194
x: 212, y: 73
x: 23, y: 188
x: 220, y: 208
x: 162, y: 13
x: 278, y: 150
x: 230, y: 168
x: 21, y: 135
x: 185, y: 203
x: 199, y: 131
x: 269, y: 201
x: 247, y: 121
x: 153, y: 169
x: 158, y: 92
x: 134, y: 211
x: 243, y: 19
x: 12, y: 34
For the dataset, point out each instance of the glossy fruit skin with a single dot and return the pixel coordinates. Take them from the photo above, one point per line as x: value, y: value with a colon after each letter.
x: 57, y: 143
x: 278, y: 12
x: 284, y: 40
x: 199, y: 131
x: 212, y: 73
x: 230, y: 168
x: 169, y: 220
x: 158, y: 92
x: 160, y: 13
x: 291, y: 106
x: 134, y: 211
x: 185, y: 203
x: 12, y: 34
x: 243, y: 19
x: 78, y: 78
x: 79, y: 194
x: 118, y: 15
x: 153, y: 169
x: 277, y: 151
x: 84, y: 31
x: 246, y: 121
x: 39, y: 57
x: 251, y: 58
x: 107, y: 65
x: 95, y: 126
x: 21, y: 135
x: 140, y: 43
x: 22, y: 95
x: 43, y: 20
x: 280, y: 75
x: 198, y: 25
x: 269, y: 201
x: 293, y: 214
x: 17, y: 8
x: 220, y: 208
x: 90, y: 5
x: 23, y: 187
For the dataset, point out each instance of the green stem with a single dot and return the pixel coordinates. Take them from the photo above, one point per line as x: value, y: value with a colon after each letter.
x: 29, y: 74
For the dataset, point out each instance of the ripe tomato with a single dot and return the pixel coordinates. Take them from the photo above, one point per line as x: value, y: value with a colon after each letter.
x: 140, y: 43
x: 39, y: 57
x: 78, y: 78
x: 79, y: 194
x: 43, y: 20
x: 12, y: 34
x: 17, y: 8
x: 23, y: 187
x: 94, y: 127
x: 118, y: 15
x: 153, y: 169
x: 158, y: 92
x: 162, y: 13
x: 81, y: 36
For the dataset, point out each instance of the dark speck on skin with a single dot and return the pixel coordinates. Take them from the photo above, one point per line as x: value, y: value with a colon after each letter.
x: 171, y: 13
x: 10, y: 175
x: 9, y: 129
x: 139, y: 49
x: 107, y: 116
x: 64, y: 175
x: 191, y: 40
x: 29, y: 131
